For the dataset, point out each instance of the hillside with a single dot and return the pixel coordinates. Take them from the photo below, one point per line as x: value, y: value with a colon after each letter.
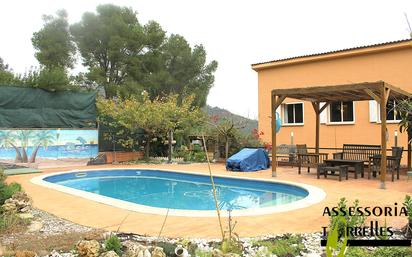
x: 249, y: 123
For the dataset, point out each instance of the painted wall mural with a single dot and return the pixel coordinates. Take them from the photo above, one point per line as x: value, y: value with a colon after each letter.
x: 32, y: 145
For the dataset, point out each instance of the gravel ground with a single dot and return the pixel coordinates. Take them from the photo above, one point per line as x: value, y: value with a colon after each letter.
x: 44, y: 225
x: 53, y: 225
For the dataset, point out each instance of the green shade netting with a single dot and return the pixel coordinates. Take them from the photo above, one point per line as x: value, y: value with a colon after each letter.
x: 36, y: 108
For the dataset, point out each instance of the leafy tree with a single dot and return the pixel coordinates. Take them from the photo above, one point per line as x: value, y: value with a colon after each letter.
x: 53, y: 44
x: 179, y: 117
x: 6, y: 76
x: 54, y: 79
x: 3, y: 66
x: 225, y: 128
x: 156, y: 117
x: 127, y: 58
x: 404, y: 107
x: 187, y: 70
x: 108, y: 42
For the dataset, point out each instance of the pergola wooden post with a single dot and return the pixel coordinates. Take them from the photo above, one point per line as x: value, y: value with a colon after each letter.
x: 378, y: 91
x: 276, y: 101
x: 318, y: 111
x: 384, y: 99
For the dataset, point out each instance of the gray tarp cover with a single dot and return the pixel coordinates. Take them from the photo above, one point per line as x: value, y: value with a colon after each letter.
x: 36, y: 108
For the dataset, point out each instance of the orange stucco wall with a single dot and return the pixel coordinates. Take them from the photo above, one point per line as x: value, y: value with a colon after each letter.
x: 393, y: 66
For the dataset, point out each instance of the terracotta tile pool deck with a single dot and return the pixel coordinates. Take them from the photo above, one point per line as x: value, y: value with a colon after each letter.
x: 309, y: 219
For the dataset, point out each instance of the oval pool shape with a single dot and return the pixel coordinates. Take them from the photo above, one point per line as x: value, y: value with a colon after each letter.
x: 182, y: 193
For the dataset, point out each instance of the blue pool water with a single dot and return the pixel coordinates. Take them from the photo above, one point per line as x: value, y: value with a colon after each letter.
x: 179, y: 190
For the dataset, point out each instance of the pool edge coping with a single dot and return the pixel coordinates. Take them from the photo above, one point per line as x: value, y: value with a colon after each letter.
x: 315, y: 195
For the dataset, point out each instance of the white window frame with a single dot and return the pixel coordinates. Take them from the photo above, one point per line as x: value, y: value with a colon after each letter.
x: 329, y: 122
x: 378, y: 115
x: 284, y: 115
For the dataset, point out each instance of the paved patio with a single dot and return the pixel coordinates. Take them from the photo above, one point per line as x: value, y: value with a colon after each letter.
x: 310, y: 219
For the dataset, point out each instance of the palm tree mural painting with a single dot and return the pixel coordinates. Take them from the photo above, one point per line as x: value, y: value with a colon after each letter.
x: 42, y: 138
x: 27, y: 145
x: 24, y: 136
x: 8, y: 138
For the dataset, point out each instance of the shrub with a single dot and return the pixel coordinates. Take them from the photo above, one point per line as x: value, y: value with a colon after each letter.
x: 185, y: 154
x: 199, y: 157
x: 190, y: 156
x: 7, y: 191
x: 113, y: 244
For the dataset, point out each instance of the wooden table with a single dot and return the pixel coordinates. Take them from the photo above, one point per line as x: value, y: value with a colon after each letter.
x: 341, y: 170
x: 357, y: 164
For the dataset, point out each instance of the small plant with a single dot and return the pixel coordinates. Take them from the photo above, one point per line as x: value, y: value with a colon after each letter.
x: 408, y: 205
x: 11, y: 221
x: 385, y: 235
x: 231, y: 243
x: 113, y: 244
x: 190, y: 247
x: 392, y: 252
x: 168, y: 248
x: 355, y: 220
x: 378, y: 252
x: 202, y: 253
x: 358, y: 252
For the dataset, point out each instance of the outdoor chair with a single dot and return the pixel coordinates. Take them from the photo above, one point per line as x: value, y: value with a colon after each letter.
x: 393, y: 162
x: 309, y: 160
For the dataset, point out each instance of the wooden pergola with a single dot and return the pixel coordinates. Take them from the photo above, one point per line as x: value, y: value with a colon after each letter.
x: 379, y: 91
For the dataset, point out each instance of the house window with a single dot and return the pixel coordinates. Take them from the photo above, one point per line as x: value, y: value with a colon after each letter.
x: 341, y: 112
x: 293, y: 113
x: 391, y: 113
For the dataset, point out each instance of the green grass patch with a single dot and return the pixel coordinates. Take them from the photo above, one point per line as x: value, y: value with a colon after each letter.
x: 287, y: 246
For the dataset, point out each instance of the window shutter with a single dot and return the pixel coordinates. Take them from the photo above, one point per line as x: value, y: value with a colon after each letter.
x: 373, y: 111
x: 323, y: 115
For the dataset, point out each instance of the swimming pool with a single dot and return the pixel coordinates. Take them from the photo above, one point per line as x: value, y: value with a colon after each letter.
x: 182, y: 194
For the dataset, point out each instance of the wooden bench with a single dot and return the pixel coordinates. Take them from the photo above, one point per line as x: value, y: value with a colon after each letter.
x: 286, y: 154
x: 356, y: 152
x: 342, y: 170
x: 309, y: 160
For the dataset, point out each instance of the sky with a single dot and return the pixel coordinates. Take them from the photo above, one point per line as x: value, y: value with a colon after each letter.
x: 234, y: 33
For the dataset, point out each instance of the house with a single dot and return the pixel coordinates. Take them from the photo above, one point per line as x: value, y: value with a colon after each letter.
x: 341, y: 122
